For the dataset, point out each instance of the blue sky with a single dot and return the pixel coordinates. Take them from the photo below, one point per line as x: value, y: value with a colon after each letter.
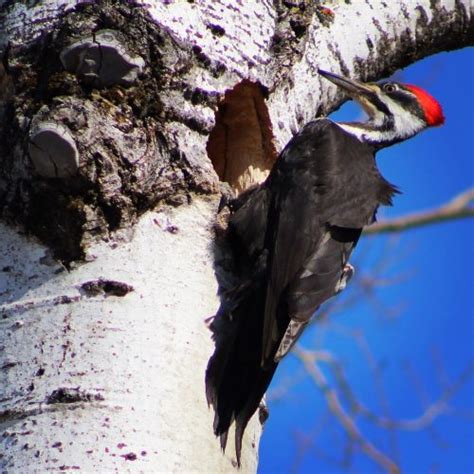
x: 424, y: 316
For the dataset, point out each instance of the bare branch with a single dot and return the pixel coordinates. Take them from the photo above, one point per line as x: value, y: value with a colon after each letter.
x: 457, y: 208
x: 425, y: 420
x: 432, y: 410
x: 337, y: 409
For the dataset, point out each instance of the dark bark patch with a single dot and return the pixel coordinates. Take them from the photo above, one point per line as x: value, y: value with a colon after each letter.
x: 66, y: 395
x: 129, y: 161
x: 299, y: 28
x: 8, y: 365
x: 40, y: 372
x: 106, y: 287
x: 199, y: 96
x: 337, y: 54
x: 201, y: 56
x: 291, y: 34
x: 216, y: 30
x: 129, y: 456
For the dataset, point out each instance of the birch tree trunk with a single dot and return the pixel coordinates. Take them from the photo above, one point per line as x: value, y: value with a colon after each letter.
x: 118, y: 120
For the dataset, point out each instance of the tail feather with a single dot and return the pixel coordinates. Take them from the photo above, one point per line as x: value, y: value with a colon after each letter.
x: 223, y: 439
x: 235, y: 379
x: 255, y: 396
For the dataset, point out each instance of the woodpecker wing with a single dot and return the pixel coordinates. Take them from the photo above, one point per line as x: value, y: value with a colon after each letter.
x: 324, y: 189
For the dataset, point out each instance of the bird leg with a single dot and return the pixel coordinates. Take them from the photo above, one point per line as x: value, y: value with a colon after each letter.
x: 346, y: 275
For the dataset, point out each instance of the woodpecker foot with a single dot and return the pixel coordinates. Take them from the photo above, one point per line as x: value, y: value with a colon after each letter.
x: 347, y: 274
x: 263, y: 412
x: 209, y: 322
x: 227, y: 195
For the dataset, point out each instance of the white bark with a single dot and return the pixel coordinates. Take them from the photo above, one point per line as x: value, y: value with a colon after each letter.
x: 363, y: 38
x: 103, y: 382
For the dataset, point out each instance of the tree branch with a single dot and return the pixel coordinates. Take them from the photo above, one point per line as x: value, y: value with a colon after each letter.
x: 337, y: 409
x: 457, y: 208
x: 423, y: 421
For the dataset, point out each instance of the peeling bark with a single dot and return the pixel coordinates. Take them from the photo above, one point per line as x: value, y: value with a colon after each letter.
x: 102, y: 356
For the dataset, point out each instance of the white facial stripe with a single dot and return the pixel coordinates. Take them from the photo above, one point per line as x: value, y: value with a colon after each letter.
x: 406, y: 124
x: 363, y: 134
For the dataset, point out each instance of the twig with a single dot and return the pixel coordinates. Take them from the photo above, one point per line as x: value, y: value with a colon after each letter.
x: 306, y: 442
x: 336, y: 408
x: 457, y: 208
x: 376, y: 369
x: 425, y: 420
x: 431, y: 412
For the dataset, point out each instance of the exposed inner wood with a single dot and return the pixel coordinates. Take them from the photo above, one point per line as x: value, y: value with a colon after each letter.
x: 241, y: 145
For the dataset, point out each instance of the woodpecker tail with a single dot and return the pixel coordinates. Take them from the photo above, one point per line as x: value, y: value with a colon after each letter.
x: 235, y: 379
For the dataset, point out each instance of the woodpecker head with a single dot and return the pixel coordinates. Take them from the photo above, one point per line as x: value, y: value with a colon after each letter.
x: 396, y: 111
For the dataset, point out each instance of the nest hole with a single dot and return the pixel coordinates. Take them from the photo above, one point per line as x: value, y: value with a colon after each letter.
x: 241, y: 144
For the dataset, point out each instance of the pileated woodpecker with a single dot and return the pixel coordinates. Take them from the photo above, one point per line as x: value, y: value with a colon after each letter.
x: 293, y: 235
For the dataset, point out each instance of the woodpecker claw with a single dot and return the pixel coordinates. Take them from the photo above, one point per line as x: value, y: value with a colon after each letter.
x: 347, y: 274
x: 209, y: 321
x: 227, y: 195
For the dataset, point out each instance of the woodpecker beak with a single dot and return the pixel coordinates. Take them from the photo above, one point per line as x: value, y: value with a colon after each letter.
x: 365, y: 94
x: 352, y: 87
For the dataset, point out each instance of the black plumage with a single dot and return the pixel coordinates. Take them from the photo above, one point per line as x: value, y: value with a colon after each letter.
x: 293, y: 236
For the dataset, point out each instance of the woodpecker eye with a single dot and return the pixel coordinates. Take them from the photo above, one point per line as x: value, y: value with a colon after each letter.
x: 390, y: 87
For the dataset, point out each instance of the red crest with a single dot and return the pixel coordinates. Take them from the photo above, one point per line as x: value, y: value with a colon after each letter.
x: 431, y: 107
